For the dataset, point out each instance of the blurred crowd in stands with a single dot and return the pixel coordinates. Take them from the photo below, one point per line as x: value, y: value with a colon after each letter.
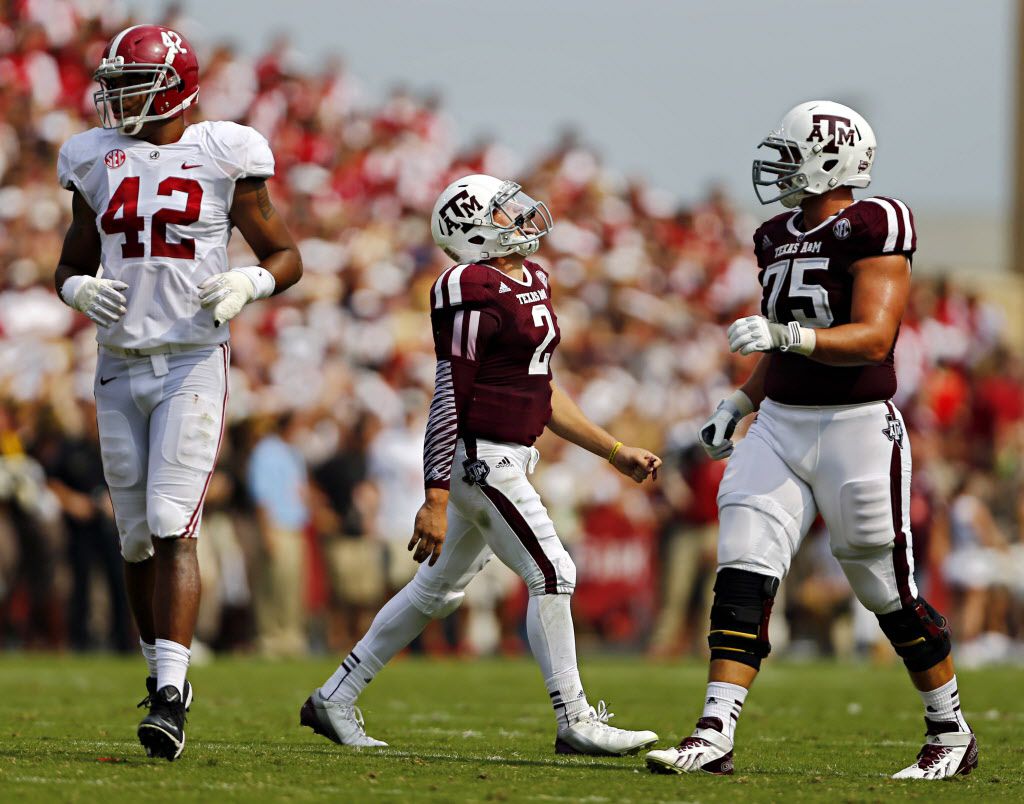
x: 310, y: 510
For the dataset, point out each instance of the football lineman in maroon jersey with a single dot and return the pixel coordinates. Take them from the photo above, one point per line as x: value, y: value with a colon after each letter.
x: 494, y: 333
x: 835, y: 273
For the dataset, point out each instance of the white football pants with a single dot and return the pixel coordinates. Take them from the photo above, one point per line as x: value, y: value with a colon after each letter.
x: 849, y: 463
x: 161, y: 419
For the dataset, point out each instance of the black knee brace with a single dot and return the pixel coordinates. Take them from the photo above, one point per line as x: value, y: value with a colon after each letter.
x: 739, y: 616
x: 918, y: 633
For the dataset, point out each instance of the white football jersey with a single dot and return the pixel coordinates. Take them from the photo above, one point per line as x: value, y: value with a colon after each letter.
x: 162, y: 212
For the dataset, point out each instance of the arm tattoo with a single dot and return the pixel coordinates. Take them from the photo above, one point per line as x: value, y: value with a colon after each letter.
x: 263, y: 199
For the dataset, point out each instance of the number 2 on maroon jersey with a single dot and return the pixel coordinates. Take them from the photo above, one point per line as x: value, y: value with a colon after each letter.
x: 539, y: 362
x: 126, y: 200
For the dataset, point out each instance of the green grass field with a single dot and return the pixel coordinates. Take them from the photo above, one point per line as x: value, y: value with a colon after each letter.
x: 482, y: 731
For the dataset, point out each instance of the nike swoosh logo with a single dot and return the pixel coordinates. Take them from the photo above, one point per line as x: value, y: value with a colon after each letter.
x: 105, y: 380
x: 186, y: 166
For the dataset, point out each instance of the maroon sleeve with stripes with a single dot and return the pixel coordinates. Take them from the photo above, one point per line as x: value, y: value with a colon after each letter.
x: 881, y: 226
x: 460, y: 340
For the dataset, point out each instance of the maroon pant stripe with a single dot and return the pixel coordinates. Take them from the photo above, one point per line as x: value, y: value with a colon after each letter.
x: 525, y: 535
x: 519, y: 526
x: 899, y: 548
x: 189, y: 528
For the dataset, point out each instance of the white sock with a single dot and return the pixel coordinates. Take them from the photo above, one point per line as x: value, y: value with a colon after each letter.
x: 149, y: 654
x: 553, y: 642
x: 943, y: 704
x: 171, y: 665
x: 724, y: 701
x: 394, y: 627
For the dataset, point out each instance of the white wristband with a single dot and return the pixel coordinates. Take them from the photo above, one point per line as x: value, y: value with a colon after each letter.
x: 263, y: 281
x: 70, y: 288
x: 802, y: 340
x: 739, y: 400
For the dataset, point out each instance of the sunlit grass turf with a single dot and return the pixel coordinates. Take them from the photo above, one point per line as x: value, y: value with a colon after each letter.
x: 482, y: 731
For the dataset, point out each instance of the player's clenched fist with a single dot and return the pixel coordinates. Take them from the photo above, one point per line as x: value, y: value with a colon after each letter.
x: 716, y: 434
x: 431, y: 524
x: 636, y: 463
x: 755, y: 333
x: 229, y: 292
x: 100, y: 299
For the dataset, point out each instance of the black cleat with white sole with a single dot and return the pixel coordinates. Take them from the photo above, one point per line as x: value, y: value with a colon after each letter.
x: 162, y: 731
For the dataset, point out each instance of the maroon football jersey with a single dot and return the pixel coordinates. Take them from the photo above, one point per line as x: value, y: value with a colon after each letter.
x: 498, y: 333
x: 806, y: 278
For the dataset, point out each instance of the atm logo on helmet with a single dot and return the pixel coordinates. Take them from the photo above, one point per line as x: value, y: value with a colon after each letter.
x: 840, y: 132
x: 461, y: 205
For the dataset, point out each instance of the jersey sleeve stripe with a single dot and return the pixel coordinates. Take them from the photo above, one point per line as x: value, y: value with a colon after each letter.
x: 438, y: 298
x: 891, y: 221
x: 455, y: 285
x: 474, y: 328
x: 458, y: 328
x: 908, y: 227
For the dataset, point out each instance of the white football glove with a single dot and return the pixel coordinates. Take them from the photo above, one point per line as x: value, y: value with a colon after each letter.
x: 755, y: 333
x: 716, y: 434
x: 100, y: 299
x: 229, y: 292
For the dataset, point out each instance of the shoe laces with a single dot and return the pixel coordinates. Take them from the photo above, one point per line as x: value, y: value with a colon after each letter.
x: 145, y: 702
x: 931, y: 754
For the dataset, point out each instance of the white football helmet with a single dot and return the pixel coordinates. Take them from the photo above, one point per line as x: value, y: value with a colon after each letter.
x: 480, y: 217
x: 821, y: 145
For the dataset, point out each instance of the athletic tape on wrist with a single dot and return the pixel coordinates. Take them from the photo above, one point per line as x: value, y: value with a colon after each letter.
x: 70, y: 288
x: 263, y: 281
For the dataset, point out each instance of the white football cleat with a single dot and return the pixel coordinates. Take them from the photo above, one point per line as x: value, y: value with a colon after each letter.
x: 592, y: 735
x: 340, y: 723
x: 944, y: 754
x: 707, y: 750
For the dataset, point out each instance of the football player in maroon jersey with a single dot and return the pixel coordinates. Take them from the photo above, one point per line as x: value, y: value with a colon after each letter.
x: 827, y: 439
x: 494, y: 333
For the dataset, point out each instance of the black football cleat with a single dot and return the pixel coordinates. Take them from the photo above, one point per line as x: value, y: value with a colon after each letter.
x: 162, y: 731
x: 151, y: 691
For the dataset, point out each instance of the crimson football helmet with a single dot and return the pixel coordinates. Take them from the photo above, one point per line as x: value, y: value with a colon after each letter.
x: 821, y: 145
x: 148, y: 73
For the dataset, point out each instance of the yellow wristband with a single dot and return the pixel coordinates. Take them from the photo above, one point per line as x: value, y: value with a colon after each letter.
x: 615, y: 451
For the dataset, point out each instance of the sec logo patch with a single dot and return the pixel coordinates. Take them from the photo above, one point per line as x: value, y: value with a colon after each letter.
x: 114, y: 158
x: 842, y: 229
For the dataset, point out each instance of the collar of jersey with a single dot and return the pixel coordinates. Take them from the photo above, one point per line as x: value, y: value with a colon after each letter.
x: 526, y: 271
x: 791, y: 226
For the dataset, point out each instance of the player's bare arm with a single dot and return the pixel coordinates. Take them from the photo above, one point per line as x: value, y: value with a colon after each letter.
x: 280, y: 264
x: 881, y: 287
x: 572, y: 424
x: 100, y: 299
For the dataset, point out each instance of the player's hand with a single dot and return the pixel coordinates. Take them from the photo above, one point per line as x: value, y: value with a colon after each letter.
x: 755, y: 333
x: 429, y: 530
x: 716, y: 434
x: 637, y: 463
x: 227, y: 294
x: 100, y: 299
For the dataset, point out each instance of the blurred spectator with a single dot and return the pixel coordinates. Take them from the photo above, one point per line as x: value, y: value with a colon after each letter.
x: 277, y: 485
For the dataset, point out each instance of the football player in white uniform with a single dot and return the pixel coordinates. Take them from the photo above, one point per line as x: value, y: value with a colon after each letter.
x: 145, y: 258
x: 835, y: 274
